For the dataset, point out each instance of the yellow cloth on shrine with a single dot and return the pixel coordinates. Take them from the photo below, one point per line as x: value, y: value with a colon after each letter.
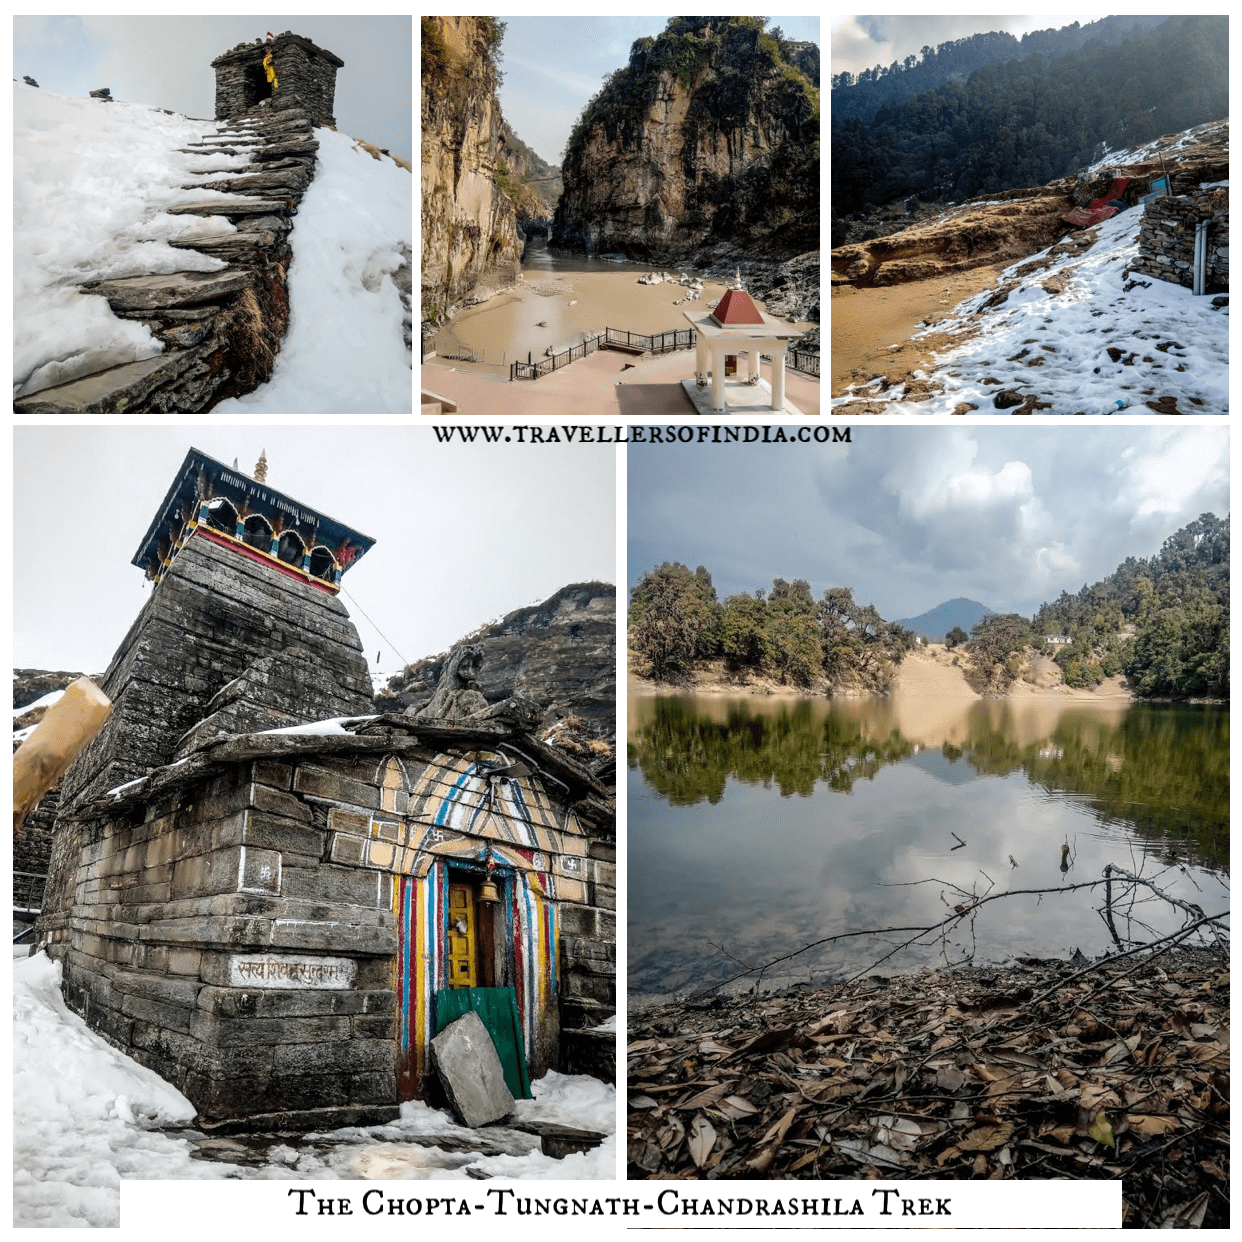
x: 271, y: 71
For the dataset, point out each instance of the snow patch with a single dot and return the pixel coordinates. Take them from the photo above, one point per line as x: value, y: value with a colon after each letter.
x: 1177, y: 344
x: 345, y: 352
x: 46, y: 701
x: 322, y: 728
x: 90, y: 185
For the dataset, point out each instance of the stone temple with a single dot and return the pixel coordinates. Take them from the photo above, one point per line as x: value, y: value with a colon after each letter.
x: 305, y: 79
x: 274, y: 898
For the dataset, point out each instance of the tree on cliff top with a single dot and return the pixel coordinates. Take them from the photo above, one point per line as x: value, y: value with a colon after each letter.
x: 685, y: 49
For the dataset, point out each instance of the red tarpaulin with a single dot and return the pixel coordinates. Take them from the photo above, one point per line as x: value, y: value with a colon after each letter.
x: 1099, y: 208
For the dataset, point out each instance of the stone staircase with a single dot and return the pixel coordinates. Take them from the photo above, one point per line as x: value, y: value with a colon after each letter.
x: 221, y: 330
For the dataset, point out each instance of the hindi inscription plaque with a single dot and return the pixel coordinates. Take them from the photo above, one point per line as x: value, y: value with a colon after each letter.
x: 270, y: 970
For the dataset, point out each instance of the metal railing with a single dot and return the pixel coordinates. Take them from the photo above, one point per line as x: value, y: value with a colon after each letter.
x: 655, y: 343
x: 808, y: 364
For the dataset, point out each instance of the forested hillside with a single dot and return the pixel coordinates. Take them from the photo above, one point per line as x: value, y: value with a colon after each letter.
x: 677, y: 622
x: 1163, y: 621
x: 1032, y: 119
x: 861, y: 94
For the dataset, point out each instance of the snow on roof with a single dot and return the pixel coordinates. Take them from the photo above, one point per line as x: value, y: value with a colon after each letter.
x: 323, y: 728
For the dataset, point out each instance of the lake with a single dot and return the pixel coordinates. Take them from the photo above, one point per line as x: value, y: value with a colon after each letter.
x: 757, y: 826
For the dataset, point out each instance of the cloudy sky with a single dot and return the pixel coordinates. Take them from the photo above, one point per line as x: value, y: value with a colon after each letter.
x: 912, y: 516
x: 863, y: 42
x: 553, y: 65
x: 166, y: 62
x: 464, y: 534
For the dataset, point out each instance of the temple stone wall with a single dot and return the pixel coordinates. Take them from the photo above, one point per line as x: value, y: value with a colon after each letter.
x: 1167, y: 238
x: 206, y: 938
x: 234, y: 931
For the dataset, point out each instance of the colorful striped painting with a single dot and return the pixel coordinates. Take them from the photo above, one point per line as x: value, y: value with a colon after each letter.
x: 420, y: 966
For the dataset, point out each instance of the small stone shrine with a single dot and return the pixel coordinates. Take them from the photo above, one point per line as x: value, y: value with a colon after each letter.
x: 305, y: 79
x: 276, y: 900
x: 738, y: 329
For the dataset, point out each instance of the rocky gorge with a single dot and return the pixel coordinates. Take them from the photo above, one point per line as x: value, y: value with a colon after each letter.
x: 703, y: 151
x: 480, y: 183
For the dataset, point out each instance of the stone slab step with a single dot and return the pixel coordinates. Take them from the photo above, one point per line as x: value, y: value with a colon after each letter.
x: 228, y: 207
x: 264, y: 224
x: 236, y: 248
x: 205, y: 313
x: 281, y: 182
x: 274, y: 150
x: 266, y: 132
x: 118, y: 390
x: 171, y: 289
x: 285, y: 192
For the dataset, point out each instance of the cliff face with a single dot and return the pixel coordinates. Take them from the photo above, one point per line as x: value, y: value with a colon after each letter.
x: 562, y: 653
x: 706, y: 142
x: 531, y: 183
x: 471, y: 242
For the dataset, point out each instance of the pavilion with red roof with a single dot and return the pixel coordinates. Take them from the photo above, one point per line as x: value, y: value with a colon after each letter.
x: 736, y: 328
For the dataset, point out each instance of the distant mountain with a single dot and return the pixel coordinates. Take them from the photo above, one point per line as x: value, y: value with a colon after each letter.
x: 936, y: 622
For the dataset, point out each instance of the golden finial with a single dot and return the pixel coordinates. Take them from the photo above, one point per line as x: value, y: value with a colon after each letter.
x: 260, y: 467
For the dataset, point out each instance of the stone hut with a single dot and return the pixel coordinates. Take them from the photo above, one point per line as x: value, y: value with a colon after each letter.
x: 275, y: 899
x: 1166, y: 241
x: 305, y: 79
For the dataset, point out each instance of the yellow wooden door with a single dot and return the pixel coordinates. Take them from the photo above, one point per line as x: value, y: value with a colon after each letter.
x: 461, y: 937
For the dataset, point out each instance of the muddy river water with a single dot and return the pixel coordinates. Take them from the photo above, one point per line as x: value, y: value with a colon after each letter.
x: 582, y: 295
x: 757, y: 827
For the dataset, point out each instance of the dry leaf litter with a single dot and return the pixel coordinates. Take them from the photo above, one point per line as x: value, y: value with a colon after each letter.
x: 1035, y: 1070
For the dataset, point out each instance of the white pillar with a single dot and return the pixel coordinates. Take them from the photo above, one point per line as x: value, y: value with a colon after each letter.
x: 700, y: 357
x: 718, y: 379
x: 754, y: 363
x: 778, y: 377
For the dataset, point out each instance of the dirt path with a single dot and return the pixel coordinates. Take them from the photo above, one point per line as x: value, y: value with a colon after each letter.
x: 931, y: 671
x: 867, y: 321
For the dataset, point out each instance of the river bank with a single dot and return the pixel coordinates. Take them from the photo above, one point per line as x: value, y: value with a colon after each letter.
x: 562, y: 296
x: 1042, y: 1069
x: 873, y: 334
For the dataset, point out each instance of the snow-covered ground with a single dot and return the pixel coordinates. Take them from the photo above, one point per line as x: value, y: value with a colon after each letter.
x: 1167, y: 342
x: 20, y: 735
x: 344, y: 353
x: 46, y: 701
x: 85, y: 1116
x: 91, y: 184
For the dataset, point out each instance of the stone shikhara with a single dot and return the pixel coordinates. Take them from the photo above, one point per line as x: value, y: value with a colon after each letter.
x: 266, y: 918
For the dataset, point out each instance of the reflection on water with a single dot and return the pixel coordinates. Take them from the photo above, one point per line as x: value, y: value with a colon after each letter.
x: 756, y: 827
